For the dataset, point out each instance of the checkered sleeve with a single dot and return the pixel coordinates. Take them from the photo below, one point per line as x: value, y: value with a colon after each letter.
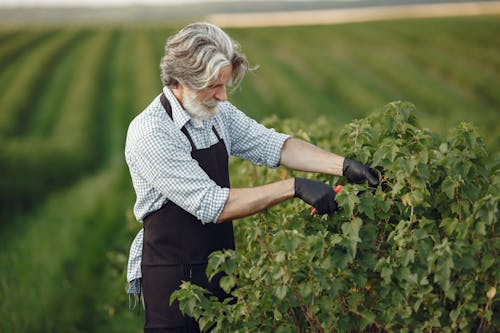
x: 253, y: 141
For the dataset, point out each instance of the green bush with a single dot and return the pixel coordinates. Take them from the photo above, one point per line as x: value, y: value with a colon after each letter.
x: 416, y: 254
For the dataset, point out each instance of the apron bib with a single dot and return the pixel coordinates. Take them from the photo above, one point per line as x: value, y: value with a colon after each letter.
x: 177, y: 245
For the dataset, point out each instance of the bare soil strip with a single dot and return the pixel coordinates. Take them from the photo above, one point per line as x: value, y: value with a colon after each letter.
x: 338, y: 16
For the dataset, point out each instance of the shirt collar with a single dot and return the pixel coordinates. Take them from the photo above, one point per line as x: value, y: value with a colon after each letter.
x: 179, y: 115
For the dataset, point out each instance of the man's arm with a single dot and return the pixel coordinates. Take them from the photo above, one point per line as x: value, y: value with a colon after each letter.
x: 304, y: 156
x: 244, y: 202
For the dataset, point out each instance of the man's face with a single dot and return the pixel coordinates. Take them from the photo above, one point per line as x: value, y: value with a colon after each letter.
x: 202, y: 104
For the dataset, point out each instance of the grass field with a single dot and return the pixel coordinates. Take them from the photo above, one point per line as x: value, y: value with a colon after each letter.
x: 68, y: 94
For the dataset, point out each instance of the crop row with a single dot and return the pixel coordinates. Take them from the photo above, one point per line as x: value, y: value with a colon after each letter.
x: 36, y: 167
x: 17, y: 43
x: 16, y: 98
x: 343, y: 71
x: 71, y: 236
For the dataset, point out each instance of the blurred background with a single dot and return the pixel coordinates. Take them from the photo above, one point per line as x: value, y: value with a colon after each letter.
x: 73, y: 74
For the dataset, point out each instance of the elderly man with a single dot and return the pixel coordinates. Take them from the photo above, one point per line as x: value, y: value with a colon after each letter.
x: 177, y: 151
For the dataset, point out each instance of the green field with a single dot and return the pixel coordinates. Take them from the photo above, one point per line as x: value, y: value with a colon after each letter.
x: 68, y: 94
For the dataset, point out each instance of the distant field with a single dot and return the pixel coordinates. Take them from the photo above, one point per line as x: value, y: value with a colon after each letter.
x: 68, y: 94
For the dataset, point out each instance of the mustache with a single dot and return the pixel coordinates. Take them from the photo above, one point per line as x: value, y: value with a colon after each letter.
x: 211, y: 103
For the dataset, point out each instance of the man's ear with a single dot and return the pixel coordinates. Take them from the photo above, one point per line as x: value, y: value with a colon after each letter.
x: 178, y: 92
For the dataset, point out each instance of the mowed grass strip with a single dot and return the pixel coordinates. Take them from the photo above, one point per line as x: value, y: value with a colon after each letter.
x: 146, y: 66
x: 34, y: 168
x: 18, y: 42
x: 16, y: 97
x: 118, y: 103
x: 48, y: 105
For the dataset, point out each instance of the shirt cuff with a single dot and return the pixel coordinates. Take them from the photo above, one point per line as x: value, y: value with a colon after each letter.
x: 273, y: 149
x: 212, y: 204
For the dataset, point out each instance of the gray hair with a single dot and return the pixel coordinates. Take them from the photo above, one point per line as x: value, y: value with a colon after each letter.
x: 196, y: 54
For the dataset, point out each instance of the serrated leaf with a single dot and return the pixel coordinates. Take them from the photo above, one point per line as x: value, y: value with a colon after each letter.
x: 366, y: 206
x: 351, y: 229
x: 347, y: 200
x: 351, y: 232
x: 449, y: 225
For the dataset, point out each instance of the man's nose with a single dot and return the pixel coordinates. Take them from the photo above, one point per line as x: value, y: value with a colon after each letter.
x: 221, y: 94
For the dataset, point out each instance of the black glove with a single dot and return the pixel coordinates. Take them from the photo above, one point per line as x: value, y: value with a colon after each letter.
x: 358, y: 173
x: 317, y: 194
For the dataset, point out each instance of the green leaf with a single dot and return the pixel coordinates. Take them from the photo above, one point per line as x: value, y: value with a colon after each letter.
x: 407, y: 256
x: 227, y: 283
x: 413, y: 198
x: 487, y: 260
x: 280, y: 257
x: 368, y: 318
x: 347, y: 200
x: 335, y: 239
x: 442, y: 274
x: 449, y: 225
x: 277, y: 314
x: 281, y: 291
x: 386, y: 274
x: 454, y: 315
x: 285, y: 328
x: 449, y: 186
x: 351, y: 231
x: 305, y: 290
x: 366, y: 206
x: 215, y: 261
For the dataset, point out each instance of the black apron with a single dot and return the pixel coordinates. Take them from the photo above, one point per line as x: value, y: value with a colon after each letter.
x: 177, y: 244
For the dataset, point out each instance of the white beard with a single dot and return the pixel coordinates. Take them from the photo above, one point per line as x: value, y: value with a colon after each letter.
x: 198, y: 111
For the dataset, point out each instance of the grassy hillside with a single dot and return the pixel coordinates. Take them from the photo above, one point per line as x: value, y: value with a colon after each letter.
x: 68, y: 94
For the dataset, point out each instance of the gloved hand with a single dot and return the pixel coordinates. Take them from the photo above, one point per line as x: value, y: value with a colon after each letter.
x: 317, y: 194
x: 358, y: 173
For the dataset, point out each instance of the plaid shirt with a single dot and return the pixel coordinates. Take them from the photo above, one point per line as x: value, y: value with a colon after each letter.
x: 159, y: 158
